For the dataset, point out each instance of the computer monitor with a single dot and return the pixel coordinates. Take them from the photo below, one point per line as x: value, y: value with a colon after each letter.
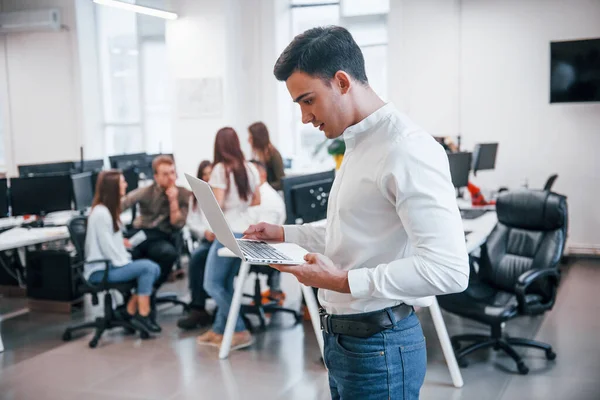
x: 83, y: 191
x: 89, y: 166
x: 126, y: 161
x: 306, y: 196
x: 132, y: 177
x: 3, y: 198
x: 46, y: 169
x: 460, y: 165
x: 40, y: 195
x: 484, y: 156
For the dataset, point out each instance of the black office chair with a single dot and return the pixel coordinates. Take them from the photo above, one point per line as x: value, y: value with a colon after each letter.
x: 172, y: 297
x: 258, y: 307
x: 550, y: 182
x: 518, y: 272
x: 77, y: 230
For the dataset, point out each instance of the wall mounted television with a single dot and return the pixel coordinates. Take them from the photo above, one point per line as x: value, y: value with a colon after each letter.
x: 575, y: 71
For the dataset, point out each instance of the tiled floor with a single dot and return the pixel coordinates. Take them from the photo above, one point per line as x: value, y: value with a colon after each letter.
x: 284, y: 363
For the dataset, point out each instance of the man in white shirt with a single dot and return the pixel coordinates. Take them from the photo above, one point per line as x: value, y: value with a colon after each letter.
x: 394, y: 235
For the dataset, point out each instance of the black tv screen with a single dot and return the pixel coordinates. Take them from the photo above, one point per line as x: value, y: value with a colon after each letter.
x: 575, y: 71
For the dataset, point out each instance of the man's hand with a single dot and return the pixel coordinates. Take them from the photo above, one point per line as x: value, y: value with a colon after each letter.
x: 264, y: 231
x: 208, y: 235
x: 172, y: 194
x: 320, y: 272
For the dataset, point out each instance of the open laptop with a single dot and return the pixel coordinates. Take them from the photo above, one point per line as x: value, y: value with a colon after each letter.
x: 252, y: 251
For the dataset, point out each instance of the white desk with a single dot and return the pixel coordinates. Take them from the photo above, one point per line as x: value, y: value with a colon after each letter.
x: 480, y: 228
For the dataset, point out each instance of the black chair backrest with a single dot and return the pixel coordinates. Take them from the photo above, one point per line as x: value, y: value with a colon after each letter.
x: 530, y: 234
x: 77, y: 229
x: 550, y: 182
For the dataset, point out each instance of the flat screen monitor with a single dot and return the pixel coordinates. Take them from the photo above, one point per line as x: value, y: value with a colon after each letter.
x: 132, y: 178
x: 484, y: 156
x: 460, y: 166
x: 83, y: 190
x: 126, y: 161
x: 306, y: 196
x: 3, y: 198
x: 64, y: 167
x: 89, y: 166
x: 575, y: 71
x: 40, y: 195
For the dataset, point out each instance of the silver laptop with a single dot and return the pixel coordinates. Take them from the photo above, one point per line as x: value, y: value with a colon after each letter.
x: 252, y: 251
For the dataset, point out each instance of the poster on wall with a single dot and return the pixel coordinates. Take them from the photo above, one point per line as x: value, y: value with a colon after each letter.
x: 200, y: 98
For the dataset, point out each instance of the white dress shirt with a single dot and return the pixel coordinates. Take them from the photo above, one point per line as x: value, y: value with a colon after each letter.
x: 271, y: 208
x: 392, y: 219
x: 196, y: 221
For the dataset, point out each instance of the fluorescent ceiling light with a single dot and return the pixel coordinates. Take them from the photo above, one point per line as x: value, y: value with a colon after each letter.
x: 137, y: 8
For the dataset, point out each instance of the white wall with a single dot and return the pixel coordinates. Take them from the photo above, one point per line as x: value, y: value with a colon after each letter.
x: 42, y: 89
x: 233, y: 40
x: 499, y: 91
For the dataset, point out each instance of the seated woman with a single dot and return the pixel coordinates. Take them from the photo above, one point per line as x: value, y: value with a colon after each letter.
x: 104, y: 240
x: 236, y: 185
x: 200, y: 230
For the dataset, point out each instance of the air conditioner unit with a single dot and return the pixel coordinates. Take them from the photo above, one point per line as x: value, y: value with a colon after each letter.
x: 30, y: 21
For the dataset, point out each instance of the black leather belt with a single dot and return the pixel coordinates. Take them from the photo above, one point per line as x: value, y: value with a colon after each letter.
x: 362, y: 325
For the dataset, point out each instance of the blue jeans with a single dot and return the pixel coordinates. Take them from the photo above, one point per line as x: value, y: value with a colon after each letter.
x: 388, y: 365
x: 218, y: 283
x: 145, y: 271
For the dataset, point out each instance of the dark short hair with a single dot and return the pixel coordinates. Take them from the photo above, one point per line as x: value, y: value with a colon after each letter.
x: 322, y: 52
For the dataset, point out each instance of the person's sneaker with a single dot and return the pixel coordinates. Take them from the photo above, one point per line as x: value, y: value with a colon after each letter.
x: 241, y: 340
x: 145, y: 323
x: 195, y: 319
x: 210, y: 338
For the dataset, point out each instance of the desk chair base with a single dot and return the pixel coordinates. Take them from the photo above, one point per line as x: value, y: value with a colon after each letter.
x: 101, y: 324
x: 497, y: 342
x: 260, y: 309
x: 171, y: 298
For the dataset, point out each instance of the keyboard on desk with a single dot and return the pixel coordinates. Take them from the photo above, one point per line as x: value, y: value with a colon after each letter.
x: 472, y: 213
x: 261, y: 251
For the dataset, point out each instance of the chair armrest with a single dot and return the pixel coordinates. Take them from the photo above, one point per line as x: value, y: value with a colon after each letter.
x: 526, y: 280
x: 104, y: 280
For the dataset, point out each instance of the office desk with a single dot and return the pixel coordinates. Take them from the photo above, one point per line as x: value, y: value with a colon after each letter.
x: 480, y: 228
x: 19, y: 238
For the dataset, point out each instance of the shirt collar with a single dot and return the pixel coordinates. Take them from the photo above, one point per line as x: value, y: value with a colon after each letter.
x: 351, y: 133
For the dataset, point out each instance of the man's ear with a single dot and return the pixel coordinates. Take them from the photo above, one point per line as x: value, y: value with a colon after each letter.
x: 342, y: 81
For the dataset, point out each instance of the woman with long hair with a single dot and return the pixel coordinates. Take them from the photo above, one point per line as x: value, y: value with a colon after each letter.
x: 104, y: 240
x: 264, y: 151
x: 200, y: 230
x: 236, y: 186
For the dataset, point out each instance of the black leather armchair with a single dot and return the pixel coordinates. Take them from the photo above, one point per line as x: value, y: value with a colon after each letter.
x: 77, y: 230
x: 517, y: 272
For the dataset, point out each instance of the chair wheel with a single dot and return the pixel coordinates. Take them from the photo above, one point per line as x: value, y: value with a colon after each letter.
x: 66, y: 336
x: 463, y: 363
x: 93, y: 343
x: 523, y: 370
x: 550, y: 355
x: 144, y: 335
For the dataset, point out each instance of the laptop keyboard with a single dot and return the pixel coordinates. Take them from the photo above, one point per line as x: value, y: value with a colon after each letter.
x: 261, y: 251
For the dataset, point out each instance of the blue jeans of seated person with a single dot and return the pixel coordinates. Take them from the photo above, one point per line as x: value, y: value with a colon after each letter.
x: 218, y: 283
x: 145, y: 271
x: 388, y: 365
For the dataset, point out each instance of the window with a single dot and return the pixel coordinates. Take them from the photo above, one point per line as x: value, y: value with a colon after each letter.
x: 367, y: 21
x: 134, y: 78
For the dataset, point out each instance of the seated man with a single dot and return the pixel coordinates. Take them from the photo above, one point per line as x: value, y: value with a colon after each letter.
x: 271, y: 210
x: 163, y: 208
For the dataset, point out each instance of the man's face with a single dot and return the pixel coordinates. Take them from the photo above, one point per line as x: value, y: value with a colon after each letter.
x: 165, y: 176
x: 322, y: 105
